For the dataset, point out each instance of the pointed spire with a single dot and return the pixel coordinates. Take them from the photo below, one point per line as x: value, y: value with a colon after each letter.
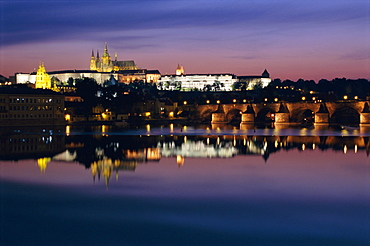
x: 106, y: 50
x: 92, y: 54
x: 97, y: 54
x: 265, y: 74
x: 115, y: 56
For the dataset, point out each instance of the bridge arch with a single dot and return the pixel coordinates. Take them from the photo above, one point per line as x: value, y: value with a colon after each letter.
x: 206, y: 114
x: 345, y: 116
x: 305, y: 115
x: 234, y: 115
x: 265, y: 115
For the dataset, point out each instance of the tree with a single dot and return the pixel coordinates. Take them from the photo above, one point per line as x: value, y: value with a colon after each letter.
x: 87, y: 88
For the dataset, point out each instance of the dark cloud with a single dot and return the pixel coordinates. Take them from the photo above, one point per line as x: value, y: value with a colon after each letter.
x: 36, y: 21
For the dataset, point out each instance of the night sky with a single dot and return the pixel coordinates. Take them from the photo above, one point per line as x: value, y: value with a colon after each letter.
x: 291, y: 39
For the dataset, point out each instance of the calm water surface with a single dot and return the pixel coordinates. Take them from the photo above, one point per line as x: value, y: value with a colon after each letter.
x: 181, y: 185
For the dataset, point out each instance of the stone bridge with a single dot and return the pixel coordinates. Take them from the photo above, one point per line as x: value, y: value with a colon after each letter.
x: 341, y: 112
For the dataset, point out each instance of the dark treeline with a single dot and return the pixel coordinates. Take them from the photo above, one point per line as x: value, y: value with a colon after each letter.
x: 326, y: 90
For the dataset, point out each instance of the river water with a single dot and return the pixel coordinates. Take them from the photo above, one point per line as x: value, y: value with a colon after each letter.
x: 185, y: 185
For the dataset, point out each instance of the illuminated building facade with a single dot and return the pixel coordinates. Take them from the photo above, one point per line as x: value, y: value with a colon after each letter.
x: 127, y: 76
x: 188, y: 82
x: 26, y: 106
x: 252, y: 81
x: 43, y: 80
x: 64, y: 75
x: 106, y: 64
x: 209, y: 82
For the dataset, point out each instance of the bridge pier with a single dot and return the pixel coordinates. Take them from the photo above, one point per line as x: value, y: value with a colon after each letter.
x: 248, y: 115
x: 365, y: 115
x: 218, y: 116
x: 282, y: 115
x: 322, y: 116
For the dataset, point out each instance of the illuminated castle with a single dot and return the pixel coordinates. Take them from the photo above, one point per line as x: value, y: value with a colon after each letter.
x: 106, y: 64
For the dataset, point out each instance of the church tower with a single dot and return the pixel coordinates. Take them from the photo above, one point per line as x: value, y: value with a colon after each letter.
x: 93, y: 61
x: 106, y: 61
x: 180, y: 70
x: 42, y: 78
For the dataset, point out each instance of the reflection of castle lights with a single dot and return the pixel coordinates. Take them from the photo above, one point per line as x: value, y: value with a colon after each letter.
x: 148, y: 128
x: 355, y: 148
x: 103, y: 128
x: 171, y: 127
x: 345, y: 148
x: 303, y: 146
x: 180, y: 160
x: 42, y: 163
x: 68, y: 130
x: 153, y: 154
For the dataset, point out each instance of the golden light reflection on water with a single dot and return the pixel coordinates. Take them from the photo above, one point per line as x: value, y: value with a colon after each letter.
x: 148, y: 127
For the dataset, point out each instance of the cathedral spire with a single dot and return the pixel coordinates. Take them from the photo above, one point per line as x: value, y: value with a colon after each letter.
x: 106, y: 50
x: 92, y: 54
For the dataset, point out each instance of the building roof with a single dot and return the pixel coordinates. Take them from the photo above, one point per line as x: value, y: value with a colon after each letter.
x: 72, y: 71
x: 20, y: 89
x: 75, y: 71
x: 200, y: 74
x: 130, y: 63
x: 250, y: 77
x: 152, y: 72
x: 139, y: 71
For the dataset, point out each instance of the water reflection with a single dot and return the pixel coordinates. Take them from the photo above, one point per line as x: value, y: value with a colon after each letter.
x: 228, y: 186
x: 107, y: 153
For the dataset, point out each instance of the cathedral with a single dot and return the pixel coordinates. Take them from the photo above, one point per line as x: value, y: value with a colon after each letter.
x: 106, y: 64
